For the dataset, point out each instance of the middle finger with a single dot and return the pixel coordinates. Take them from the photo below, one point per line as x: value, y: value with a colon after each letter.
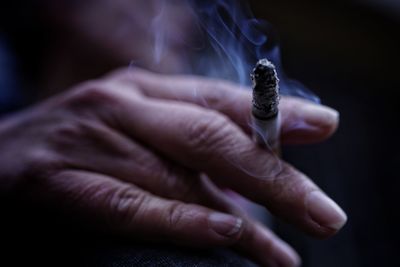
x: 207, y: 141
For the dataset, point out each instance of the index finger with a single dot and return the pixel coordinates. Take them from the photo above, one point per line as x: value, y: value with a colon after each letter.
x: 209, y: 142
x: 302, y: 121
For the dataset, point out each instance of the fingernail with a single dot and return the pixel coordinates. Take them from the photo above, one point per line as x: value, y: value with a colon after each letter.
x: 286, y: 255
x: 324, y: 211
x: 224, y: 224
x: 319, y: 113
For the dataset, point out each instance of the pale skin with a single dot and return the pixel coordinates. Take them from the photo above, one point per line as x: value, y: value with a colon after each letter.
x: 146, y: 155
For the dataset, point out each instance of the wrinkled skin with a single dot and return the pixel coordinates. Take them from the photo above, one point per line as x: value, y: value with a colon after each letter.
x: 143, y: 154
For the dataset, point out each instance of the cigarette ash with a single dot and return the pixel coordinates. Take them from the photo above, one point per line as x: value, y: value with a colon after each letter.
x: 265, y: 90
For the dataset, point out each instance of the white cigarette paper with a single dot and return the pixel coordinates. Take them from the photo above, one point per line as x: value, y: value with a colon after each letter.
x: 266, y: 132
x: 265, y: 112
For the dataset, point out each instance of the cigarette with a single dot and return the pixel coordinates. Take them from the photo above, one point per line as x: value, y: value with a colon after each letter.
x: 265, y: 111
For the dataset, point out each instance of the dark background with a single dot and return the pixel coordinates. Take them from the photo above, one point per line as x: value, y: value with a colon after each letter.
x: 347, y: 52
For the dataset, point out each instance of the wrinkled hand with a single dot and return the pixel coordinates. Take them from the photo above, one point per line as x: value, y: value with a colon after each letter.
x: 142, y: 153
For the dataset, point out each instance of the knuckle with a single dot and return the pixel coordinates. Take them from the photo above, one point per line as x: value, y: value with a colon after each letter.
x: 167, y: 179
x: 70, y: 135
x: 222, y: 95
x: 41, y: 164
x: 125, y: 204
x: 211, y: 131
x: 287, y: 183
x: 92, y: 93
x: 66, y: 133
x: 214, y: 92
x: 148, y: 163
x: 279, y: 180
x: 182, y: 185
x: 122, y: 74
x: 42, y: 160
x: 175, y: 214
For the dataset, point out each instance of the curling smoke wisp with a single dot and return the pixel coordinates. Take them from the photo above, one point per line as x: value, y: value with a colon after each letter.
x: 222, y: 39
x: 236, y: 40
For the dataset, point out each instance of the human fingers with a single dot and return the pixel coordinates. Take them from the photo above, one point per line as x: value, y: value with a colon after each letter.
x: 113, y: 206
x: 258, y: 242
x: 303, y: 122
x: 209, y: 142
x: 163, y: 179
x: 77, y: 138
x: 125, y: 210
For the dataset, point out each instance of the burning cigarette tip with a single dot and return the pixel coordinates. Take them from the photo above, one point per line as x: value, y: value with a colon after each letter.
x: 265, y: 90
x: 265, y: 112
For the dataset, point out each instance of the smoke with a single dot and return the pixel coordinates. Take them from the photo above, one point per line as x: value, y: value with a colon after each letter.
x: 229, y: 42
x: 235, y: 41
x: 159, y: 32
x: 217, y: 39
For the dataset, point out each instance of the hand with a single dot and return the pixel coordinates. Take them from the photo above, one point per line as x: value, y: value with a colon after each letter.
x: 142, y: 154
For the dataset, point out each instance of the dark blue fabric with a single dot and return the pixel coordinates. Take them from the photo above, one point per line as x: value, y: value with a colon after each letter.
x: 34, y: 236
x: 163, y: 256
